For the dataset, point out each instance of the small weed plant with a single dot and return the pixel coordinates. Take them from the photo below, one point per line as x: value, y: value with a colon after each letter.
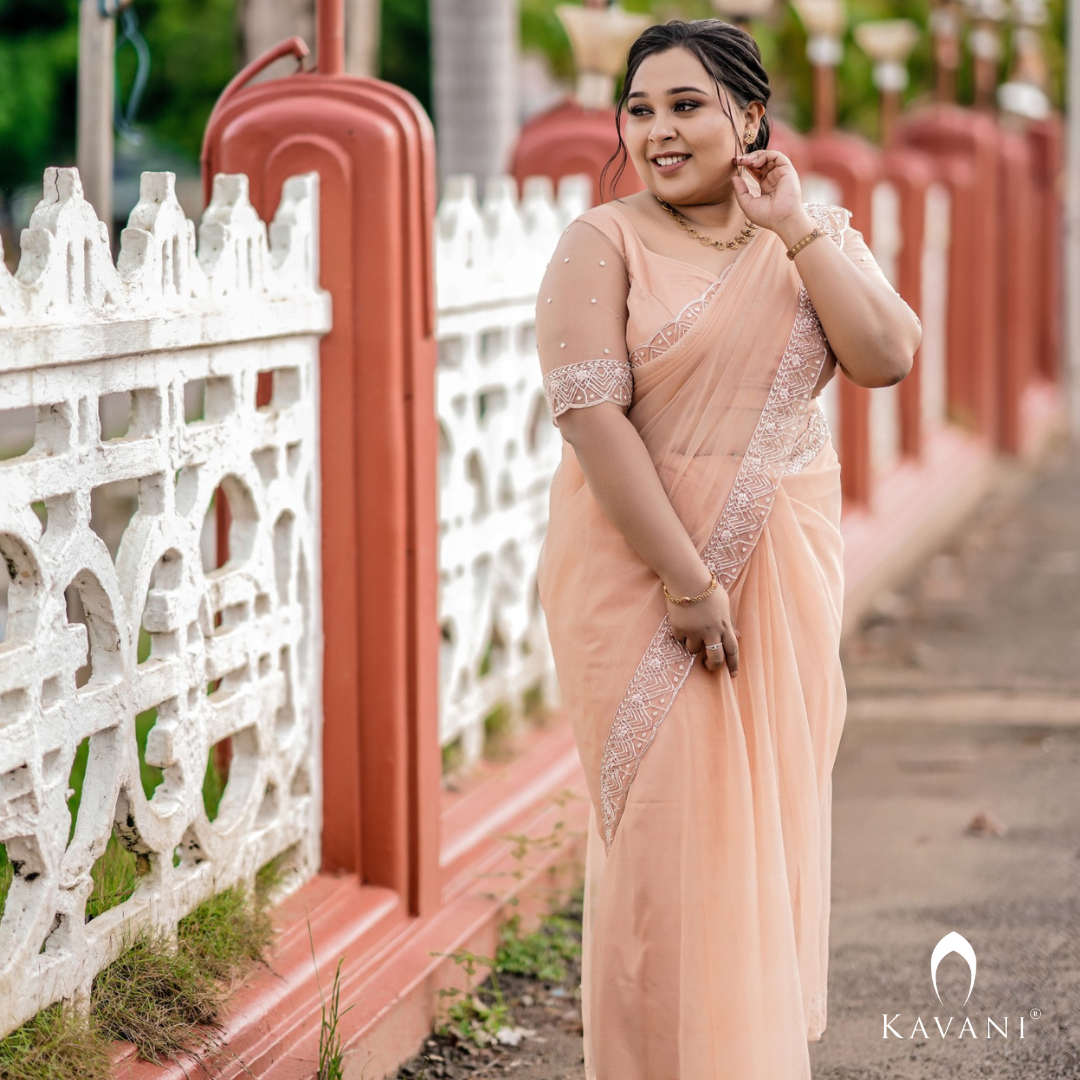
x: 544, y: 953
x: 468, y: 1017
x: 331, y: 1055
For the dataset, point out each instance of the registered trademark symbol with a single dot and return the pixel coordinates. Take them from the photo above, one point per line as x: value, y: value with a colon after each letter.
x: 1035, y: 1014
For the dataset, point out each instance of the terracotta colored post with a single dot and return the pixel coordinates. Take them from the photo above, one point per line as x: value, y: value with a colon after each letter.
x: 911, y: 173
x: 1018, y: 276
x: 964, y: 147
x: 373, y: 148
x: 580, y: 133
x: 1047, y: 141
x: 855, y: 166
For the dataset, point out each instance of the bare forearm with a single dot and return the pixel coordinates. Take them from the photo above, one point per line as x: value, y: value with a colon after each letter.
x: 623, y: 480
x: 872, y: 332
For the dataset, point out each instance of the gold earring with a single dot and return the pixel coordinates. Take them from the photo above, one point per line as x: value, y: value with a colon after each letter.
x: 748, y: 137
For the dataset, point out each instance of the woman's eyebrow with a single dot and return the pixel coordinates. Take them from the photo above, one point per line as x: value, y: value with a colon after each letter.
x: 673, y: 90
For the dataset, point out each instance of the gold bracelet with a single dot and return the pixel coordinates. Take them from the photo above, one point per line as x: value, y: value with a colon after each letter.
x: 809, y: 238
x: 682, y: 600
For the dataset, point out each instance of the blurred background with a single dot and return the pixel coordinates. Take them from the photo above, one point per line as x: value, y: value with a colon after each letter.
x: 173, y: 58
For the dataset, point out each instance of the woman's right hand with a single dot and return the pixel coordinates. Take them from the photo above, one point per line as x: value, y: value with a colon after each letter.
x: 706, y: 622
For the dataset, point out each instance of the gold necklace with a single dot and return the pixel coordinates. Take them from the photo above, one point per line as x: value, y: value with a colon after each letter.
x: 744, y: 236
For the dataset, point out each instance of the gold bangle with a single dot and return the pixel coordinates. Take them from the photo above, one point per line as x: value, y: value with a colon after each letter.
x: 682, y: 600
x: 809, y: 238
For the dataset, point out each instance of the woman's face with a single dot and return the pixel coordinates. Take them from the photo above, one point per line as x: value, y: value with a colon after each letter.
x: 681, y: 133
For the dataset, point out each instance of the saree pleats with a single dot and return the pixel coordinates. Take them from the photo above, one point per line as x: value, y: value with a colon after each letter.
x: 706, y: 926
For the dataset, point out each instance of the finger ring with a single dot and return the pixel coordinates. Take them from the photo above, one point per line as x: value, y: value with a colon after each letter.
x: 718, y: 645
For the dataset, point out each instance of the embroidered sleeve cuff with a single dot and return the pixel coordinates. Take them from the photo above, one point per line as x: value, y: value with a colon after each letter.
x: 577, y: 386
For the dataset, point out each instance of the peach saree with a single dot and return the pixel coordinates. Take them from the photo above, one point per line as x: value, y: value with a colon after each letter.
x: 707, y: 881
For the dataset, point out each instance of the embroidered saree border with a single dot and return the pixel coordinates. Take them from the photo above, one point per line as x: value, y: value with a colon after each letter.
x: 666, y: 664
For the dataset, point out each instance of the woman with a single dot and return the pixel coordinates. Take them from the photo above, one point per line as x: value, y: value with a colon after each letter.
x: 691, y: 575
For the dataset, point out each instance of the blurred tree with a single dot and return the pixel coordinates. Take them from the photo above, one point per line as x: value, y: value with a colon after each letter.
x: 38, y: 56
x: 193, y: 50
x: 405, y: 48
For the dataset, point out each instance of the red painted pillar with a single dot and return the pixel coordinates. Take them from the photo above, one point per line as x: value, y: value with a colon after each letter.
x: 1018, y: 277
x: 1047, y: 141
x: 373, y: 148
x: 569, y: 139
x: 911, y: 173
x: 964, y: 146
x: 856, y: 166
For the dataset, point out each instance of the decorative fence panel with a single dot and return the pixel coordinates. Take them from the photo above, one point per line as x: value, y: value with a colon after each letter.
x: 145, y: 679
x: 498, y: 450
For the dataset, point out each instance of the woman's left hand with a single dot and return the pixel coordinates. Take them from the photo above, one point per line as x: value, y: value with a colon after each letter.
x: 780, y: 200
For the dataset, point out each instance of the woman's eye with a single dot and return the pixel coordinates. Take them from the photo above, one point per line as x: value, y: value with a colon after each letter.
x: 639, y: 110
x: 689, y: 105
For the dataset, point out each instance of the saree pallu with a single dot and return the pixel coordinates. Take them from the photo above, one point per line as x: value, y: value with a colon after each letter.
x: 707, y: 879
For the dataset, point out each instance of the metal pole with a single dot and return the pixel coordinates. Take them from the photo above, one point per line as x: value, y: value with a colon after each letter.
x: 1072, y: 222
x: 330, y: 33
x: 94, y: 139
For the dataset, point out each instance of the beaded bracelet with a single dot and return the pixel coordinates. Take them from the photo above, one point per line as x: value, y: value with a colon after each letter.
x: 683, y: 600
x: 809, y: 238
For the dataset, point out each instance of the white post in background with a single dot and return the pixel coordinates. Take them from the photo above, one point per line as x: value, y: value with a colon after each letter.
x: 94, y: 139
x: 1072, y: 230
x: 362, y: 37
x: 474, y: 46
x: 266, y: 22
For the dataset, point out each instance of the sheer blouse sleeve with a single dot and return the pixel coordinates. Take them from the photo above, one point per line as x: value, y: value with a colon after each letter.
x: 581, y: 323
x: 837, y: 223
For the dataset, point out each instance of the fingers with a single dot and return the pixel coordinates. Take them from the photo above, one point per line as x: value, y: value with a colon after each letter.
x: 731, y: 651
x: 722, y: 649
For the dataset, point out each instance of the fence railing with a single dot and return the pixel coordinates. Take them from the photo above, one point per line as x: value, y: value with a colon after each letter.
x: 159, y: 686
x: 499, y: 449
x: 497, y: 453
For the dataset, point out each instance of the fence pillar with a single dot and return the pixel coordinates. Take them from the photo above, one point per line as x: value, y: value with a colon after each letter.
x: 911, y: 173
x: 856, y: 167
x: 1018, y: 276
x: 964, y: 146
x: 373, y: 148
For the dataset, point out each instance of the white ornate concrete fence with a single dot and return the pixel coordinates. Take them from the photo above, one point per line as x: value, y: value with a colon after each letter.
x: 498, y: 448
x: 164, y: 326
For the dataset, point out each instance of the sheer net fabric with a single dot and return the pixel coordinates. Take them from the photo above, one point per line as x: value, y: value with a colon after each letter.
x: 707, y: 890
x: 581, y: 323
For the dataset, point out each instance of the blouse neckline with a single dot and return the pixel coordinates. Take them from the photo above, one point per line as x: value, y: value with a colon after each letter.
x: 679, y: 262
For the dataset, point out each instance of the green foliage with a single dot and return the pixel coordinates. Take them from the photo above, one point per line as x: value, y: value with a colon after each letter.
x: 542, y: 954
x: 405, y: 48
x: 783, y: 48
x: 468, y: 1017
x: 57, y: 1044
x: 38, y: 61
x: 193, y: 49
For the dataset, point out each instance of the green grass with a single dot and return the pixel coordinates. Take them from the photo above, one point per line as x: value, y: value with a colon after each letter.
x: 158, y: 998
x: 542, y: 954
x: 115, y: 875
x: 6, y: 874
x: 163, y: 996
x: 57, y: 1044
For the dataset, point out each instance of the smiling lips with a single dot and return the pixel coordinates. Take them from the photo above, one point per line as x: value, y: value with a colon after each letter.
x: 668, y: 162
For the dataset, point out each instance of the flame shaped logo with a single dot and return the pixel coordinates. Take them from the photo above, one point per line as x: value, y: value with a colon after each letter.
x: 953, y: 943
